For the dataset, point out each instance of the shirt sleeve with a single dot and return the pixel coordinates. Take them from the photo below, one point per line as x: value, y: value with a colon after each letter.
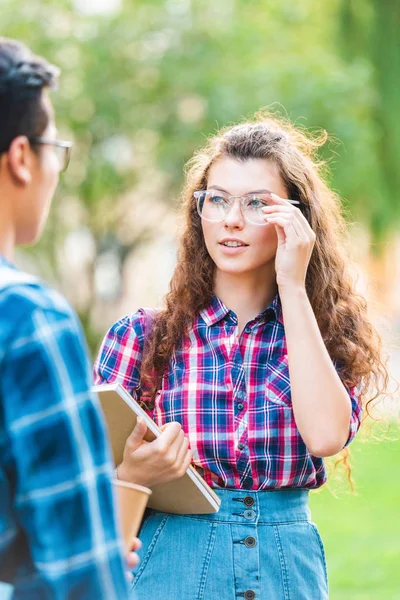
x: 62, y: 467
x: 120, y: 356
x: 356, y: 413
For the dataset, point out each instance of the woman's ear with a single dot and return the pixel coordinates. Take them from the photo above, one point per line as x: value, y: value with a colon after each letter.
x: 20, y: 160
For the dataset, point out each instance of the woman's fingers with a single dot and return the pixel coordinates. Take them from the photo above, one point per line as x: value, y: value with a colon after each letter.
x: 136, y: 544
x: 298, y: 220
x: 168, y: 436
x: 183, y: 452
x: 280, y: 235
x: 286, y: 210
x: 132, y: 560
x: 136, y: 437
x: 281, y: 201
x: 281, y: 207
x: 285, y: 205
x: 289, y: 225
x: 177, y: 443
x: 181, y: 455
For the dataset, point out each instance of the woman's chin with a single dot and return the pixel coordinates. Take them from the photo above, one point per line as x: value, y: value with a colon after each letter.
x: 232, y: 268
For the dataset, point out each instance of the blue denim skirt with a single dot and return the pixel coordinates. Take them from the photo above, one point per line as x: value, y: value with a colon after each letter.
x: 261, y: 545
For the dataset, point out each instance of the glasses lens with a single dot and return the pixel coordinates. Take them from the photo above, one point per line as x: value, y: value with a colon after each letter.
x: 60, y: 156
x: 67, y: 157
x: 212, y: 205
x: 63, y: 153
x: 252, y: 208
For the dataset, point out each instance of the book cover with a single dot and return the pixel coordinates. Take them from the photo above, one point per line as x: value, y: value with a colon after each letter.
x: 189, y: 494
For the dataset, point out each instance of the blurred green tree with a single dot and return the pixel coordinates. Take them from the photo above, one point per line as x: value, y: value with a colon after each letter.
x: 144, y: 82
x: 369, y: 30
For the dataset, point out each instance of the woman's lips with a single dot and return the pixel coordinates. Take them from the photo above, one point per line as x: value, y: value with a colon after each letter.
x: 231, y: 250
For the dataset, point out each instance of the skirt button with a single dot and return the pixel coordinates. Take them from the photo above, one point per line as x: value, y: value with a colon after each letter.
x: 249, y: 595
x: 250, y: 541
x: 248, y: 501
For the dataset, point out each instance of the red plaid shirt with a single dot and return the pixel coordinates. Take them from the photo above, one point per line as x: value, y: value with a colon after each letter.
x: 231, y: 395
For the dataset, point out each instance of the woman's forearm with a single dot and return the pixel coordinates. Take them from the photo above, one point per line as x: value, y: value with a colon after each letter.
x: 321, y: 404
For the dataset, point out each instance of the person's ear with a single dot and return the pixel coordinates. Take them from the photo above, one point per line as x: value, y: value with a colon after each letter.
x: 20, y: 159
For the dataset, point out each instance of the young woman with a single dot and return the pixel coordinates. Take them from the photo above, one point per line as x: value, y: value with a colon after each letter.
x: 261, y: 359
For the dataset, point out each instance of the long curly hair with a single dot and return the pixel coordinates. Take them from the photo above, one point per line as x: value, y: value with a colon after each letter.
x: 351, y: 340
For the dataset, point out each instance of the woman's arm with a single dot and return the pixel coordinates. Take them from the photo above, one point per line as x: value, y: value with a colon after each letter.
x: 321, y: 404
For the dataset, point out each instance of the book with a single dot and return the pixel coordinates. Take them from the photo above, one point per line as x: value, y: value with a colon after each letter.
x: 189, y: 494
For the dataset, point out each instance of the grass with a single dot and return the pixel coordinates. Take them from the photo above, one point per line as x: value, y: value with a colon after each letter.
x: 361, y: 530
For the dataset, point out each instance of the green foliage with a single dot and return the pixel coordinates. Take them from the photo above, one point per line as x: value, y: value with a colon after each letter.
x: 369, y: 30
x: 143, y: 86
x: 177, y: 69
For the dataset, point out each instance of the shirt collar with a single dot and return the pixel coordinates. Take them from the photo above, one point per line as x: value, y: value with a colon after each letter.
x: 276, y: 306
x: 216, y: 311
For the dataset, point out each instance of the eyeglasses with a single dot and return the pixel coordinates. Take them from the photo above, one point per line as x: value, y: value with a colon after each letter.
x: 214, y: 206
x: 62, y: 150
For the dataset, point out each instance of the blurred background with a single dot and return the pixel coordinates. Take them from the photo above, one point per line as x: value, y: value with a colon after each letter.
x: 143, y: 84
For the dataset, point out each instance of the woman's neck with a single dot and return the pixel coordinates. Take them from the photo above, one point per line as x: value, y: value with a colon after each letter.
x: 246, y: 294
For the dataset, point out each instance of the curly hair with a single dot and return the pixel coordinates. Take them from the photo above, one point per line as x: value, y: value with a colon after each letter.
x: 351, y: 340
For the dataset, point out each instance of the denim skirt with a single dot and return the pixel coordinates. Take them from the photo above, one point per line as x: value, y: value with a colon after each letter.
x: 260, y: 545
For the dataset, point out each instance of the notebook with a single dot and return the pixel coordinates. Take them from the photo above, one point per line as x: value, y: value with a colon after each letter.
x: 189, y: 494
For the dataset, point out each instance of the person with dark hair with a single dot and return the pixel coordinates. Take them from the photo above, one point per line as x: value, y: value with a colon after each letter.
x: 265, y: 356
x: 58, y: 533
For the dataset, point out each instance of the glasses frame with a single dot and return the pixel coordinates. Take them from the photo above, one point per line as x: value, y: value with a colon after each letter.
x: 198, y: 194
x: 67, y: 146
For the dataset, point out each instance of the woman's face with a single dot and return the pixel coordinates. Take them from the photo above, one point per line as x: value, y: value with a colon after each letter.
x: 258, y: 242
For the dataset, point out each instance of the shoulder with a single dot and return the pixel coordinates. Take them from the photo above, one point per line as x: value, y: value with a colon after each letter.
x: 36, y: 323
x: 23, y: 299
x: 126, y: 335
x: 120, y: 355
x: 130, y: 326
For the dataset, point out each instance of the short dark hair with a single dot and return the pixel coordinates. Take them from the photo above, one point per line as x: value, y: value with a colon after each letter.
x: 23, y: 76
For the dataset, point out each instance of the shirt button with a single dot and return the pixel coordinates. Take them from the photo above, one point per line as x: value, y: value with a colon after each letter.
x: 240, y: 446
x: 247, y: 329
x: 240, y: 406
x: 248, y: 501
x: 249, y: 595
x: 250, y: 541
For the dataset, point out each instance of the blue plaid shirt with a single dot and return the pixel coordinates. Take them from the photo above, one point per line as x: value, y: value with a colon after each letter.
x: 58, y: 535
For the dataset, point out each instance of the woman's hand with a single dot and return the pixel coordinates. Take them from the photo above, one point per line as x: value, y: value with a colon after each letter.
x: 132, y: 559
x: 295, y: 243
x: 148, y: 463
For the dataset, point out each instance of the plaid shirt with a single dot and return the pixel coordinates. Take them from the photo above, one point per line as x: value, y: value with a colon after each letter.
x: 58, y: 536
x: 232, y: 397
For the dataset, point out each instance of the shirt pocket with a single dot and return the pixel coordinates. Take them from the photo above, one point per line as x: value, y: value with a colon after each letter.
x: 277, y: 389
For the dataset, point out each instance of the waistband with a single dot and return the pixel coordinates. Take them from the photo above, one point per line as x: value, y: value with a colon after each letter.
x: 257, y: 507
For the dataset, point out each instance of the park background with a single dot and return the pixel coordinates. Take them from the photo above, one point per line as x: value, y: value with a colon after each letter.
x: 143, y: 84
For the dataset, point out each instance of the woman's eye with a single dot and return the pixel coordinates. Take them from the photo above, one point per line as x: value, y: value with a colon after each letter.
x: 256, y: 203
x: 217, y: 199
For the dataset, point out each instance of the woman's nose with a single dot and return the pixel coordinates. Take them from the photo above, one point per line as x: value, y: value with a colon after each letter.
x: 235, y: 218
